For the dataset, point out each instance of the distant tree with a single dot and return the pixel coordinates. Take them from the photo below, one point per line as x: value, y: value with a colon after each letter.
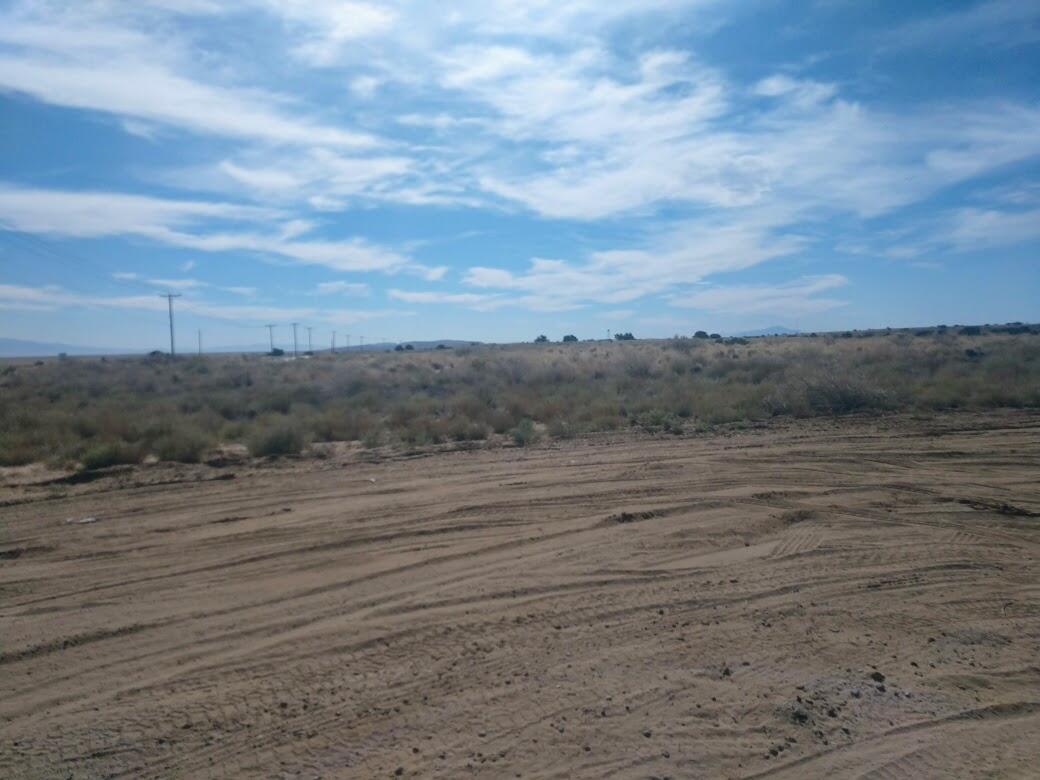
x: 714, y: 336
x: 443, y: 346
x: 570, y: 338
x: 541, y: 339
x: 701, y: 334
x: 408, y: 347
x: 276, y: 352
x: 624, y: 337
x: 398, y: 348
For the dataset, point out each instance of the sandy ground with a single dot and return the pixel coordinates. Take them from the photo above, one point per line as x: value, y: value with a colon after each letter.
x: 823, y: 599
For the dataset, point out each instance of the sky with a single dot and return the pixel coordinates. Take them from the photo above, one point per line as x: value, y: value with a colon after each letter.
x: 399, y: 170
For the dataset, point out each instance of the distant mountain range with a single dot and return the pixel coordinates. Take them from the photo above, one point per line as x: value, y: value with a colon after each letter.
x: 773, y: 330
x: 17, y: 348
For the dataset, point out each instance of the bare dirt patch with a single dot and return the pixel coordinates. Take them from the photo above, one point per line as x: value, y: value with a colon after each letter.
x: 817, y: 599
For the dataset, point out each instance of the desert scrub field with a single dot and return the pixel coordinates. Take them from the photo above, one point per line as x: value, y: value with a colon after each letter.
x: 95, y: 412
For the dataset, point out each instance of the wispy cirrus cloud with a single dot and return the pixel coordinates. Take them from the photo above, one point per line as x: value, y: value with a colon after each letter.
x: 90, y: 56
x: 478, y: 301
x: 341, y: 287
x: 183, y: 284
x: 691, y: 252
x: 55, y: 298
x: 321, y: 127
x: 199, y: 225
x: 797, y: 297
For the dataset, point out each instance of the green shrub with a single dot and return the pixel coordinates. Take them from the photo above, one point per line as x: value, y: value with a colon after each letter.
x: 107, y: 454
x: 654, y: 420
x: 181, y: 447
x: 279, y: 439
x: 525, y: 434
x: 16, y: 453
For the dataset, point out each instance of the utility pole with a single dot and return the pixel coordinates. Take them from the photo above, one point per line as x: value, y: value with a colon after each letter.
x: 348, y: 342
x: 362, y: 343
x: 270, y: 334
x: 333, y: 342
x: 295, y: 350
x: 200, y: 342
x: 310, y: 345
x: 169, y: 301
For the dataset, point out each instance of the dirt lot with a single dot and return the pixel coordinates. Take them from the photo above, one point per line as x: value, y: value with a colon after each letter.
x: 819, y: 599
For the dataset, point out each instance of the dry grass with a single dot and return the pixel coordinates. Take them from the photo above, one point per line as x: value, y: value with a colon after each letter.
x: 97, y: 412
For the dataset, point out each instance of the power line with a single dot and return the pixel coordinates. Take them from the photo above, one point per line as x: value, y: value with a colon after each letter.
x: 169, y: 301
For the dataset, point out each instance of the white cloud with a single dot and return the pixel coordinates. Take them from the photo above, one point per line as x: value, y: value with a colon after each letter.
x: 92, y: 214
x: 177, y: 284
x: 347, y: 288
x: 329, y: 25
x: 364, y: 86
x: 52, y: 298
x: 984, y: 228
x: 473, y: 300
x: 77, y: 60
x: 690, y: 253
x: 189, y: 224
x: 509, y: 104
x: 798, y: 297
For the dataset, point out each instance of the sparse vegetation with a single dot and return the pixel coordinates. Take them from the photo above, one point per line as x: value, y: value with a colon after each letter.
x: 110, y: 453
x: 283, y: 438
x: 121, y: 410
x: 525, y: 433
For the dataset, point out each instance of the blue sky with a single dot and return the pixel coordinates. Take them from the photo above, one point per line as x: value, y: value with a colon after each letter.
x: 498, y: 169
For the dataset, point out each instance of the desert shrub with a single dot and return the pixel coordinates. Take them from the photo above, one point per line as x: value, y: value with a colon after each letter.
x: 17, y: 453
x: 181, y: 447
x: 569, y: 339
x: 112, y: 453
x: 279, y: 439
x: 460, y: 429
x: 57, y: 411
x: 654, y: 420
x: 525, y: 434
x: 835, y: 395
